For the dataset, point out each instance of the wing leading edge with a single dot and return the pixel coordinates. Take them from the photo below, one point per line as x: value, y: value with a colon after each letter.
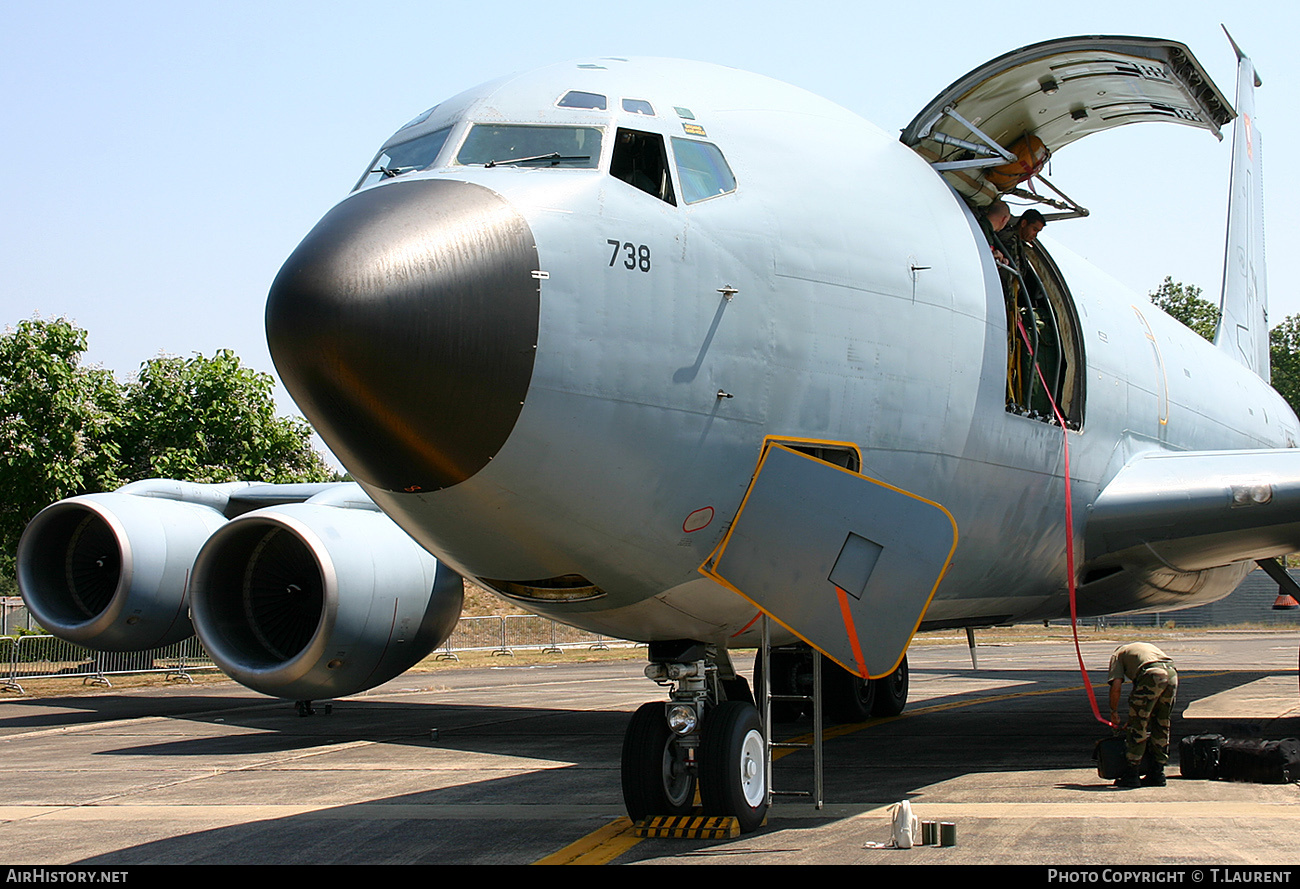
x: 1197, y: 510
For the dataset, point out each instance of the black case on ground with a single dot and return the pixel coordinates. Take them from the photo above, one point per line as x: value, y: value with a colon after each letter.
x: 1198, y: 756
x: 1260, y: 762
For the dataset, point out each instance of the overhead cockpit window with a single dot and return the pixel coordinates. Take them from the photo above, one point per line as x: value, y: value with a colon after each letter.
x: 415, y: 154
x: 684, y: 113
x: 579, y: 99
x: 702, y: 170
x: 419, y: 118
x: 495, y: 145
x: 640, y: 161
x: 638, y: 106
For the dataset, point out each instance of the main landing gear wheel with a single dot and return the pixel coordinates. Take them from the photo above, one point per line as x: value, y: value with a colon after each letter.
x: 891, y: 692
x: 847, y: 697
x: 656, y: 778
x: 733, y: 764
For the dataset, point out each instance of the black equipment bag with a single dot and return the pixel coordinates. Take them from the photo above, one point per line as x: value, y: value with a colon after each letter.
x: 1261, y: 762
x: 1108, y: 753
x: 1198, y: 756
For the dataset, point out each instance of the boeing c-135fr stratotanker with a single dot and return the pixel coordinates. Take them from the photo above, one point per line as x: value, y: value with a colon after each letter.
x: 653, y: 347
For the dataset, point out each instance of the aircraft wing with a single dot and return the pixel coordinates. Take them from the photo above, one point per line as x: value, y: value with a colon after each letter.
x: 1060, y: 91
x: 1198, y: 510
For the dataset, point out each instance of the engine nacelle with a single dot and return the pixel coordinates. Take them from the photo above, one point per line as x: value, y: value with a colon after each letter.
x: 109, y: 571
x: 320, y: 599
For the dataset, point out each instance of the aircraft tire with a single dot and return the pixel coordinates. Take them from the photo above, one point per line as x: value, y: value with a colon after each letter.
x: 891, y: 692
x: 733, y: 764
x: 846, y: 697
x: 655, y: 780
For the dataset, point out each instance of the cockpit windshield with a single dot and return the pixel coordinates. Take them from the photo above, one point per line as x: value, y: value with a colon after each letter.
x: 414, y: 154
x: 495, y: 145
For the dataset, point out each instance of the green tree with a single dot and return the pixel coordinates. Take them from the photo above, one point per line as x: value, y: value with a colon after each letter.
x: 59, y: 423
x: 67, y: 429
x: 1284, y: 356
x: 1184, y: 302
x: 211, y: 420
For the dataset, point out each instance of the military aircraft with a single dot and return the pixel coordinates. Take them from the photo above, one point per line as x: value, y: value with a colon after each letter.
x: 654, y: 347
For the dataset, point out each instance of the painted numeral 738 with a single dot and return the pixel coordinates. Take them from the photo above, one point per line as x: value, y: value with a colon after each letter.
x: 635, y: 256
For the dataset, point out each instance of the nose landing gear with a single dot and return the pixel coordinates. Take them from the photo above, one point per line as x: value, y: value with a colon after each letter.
x: 733, y: 764
x: 698, y: 736
x: 658, y: 771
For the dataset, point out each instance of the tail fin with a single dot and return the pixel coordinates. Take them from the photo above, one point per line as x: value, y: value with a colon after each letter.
x: 1243, y: 322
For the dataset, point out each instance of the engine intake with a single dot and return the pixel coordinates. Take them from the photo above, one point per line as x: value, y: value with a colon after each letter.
x: 320, y: 599
x: 109, y: 571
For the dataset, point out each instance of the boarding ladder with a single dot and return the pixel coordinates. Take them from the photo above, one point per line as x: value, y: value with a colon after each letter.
x: 765, y: 699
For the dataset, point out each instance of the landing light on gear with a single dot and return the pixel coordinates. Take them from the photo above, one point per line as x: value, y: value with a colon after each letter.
x: 697, y: 736
x: 683, y: 719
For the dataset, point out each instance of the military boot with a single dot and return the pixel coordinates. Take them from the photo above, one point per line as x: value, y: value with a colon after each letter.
x: 1155, y: 777
x: 1130, y: 777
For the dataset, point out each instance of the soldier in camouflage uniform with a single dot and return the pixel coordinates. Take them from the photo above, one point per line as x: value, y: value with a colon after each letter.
x: 1150, y: 705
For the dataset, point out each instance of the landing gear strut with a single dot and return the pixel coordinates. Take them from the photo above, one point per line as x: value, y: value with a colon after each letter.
x: 709, y: 733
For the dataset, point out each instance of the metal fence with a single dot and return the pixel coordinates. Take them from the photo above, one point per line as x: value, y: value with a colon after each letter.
x: 44, y: 657
x: 506, y: 634
x: 27, y: 657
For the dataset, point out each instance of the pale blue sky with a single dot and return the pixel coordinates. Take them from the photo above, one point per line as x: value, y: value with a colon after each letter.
x: 162, y: 159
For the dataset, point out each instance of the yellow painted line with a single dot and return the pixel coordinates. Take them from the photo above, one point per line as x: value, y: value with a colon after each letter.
x: 599, y: 847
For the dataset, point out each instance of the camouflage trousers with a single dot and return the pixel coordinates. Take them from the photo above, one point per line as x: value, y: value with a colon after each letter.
x: 1150, y: 706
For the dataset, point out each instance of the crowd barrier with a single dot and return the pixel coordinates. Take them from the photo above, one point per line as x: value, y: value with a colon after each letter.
x: 40, y: 656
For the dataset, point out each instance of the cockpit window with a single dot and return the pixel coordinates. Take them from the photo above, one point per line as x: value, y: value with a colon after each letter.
x: 702, y: 170
x: 579, y: 99
x: 419, y: 118
x: 638, y: 106
x: 404, y: 157
x: 639, y: 160
x: 495, y: 145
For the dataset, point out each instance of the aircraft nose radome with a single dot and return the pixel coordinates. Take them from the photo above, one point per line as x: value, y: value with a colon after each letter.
x: 405, y: 327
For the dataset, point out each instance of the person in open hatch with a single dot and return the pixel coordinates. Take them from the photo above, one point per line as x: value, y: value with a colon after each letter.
x: 993, y: 221
x: 1150, y: 706
x: 1025, y: 231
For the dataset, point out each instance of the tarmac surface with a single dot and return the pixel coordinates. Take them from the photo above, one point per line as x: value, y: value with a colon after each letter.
x: 516, y: 764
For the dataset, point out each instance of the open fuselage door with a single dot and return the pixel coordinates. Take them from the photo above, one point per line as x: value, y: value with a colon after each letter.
x: 846, y: 562
x: 995, y: 127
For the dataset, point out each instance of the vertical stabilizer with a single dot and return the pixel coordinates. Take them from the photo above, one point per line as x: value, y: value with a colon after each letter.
x: 1243, y: 324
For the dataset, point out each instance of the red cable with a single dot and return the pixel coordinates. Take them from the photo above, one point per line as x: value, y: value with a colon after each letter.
x: 1069, y: 527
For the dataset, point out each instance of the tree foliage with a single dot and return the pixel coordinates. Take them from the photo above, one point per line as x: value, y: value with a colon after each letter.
x: 1184, y: 302
x: 211, y: 420
x: 1284, y: 356
x: 59, y: 423
x: 68, y: 429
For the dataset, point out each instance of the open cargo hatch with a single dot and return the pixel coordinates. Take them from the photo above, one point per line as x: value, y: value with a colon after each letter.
x: 988, y: 130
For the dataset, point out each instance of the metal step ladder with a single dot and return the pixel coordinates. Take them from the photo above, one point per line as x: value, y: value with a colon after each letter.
x: 765, y: 697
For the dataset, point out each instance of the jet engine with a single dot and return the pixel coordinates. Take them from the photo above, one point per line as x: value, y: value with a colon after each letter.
x: 109, y: 571
x: 320, y: 599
